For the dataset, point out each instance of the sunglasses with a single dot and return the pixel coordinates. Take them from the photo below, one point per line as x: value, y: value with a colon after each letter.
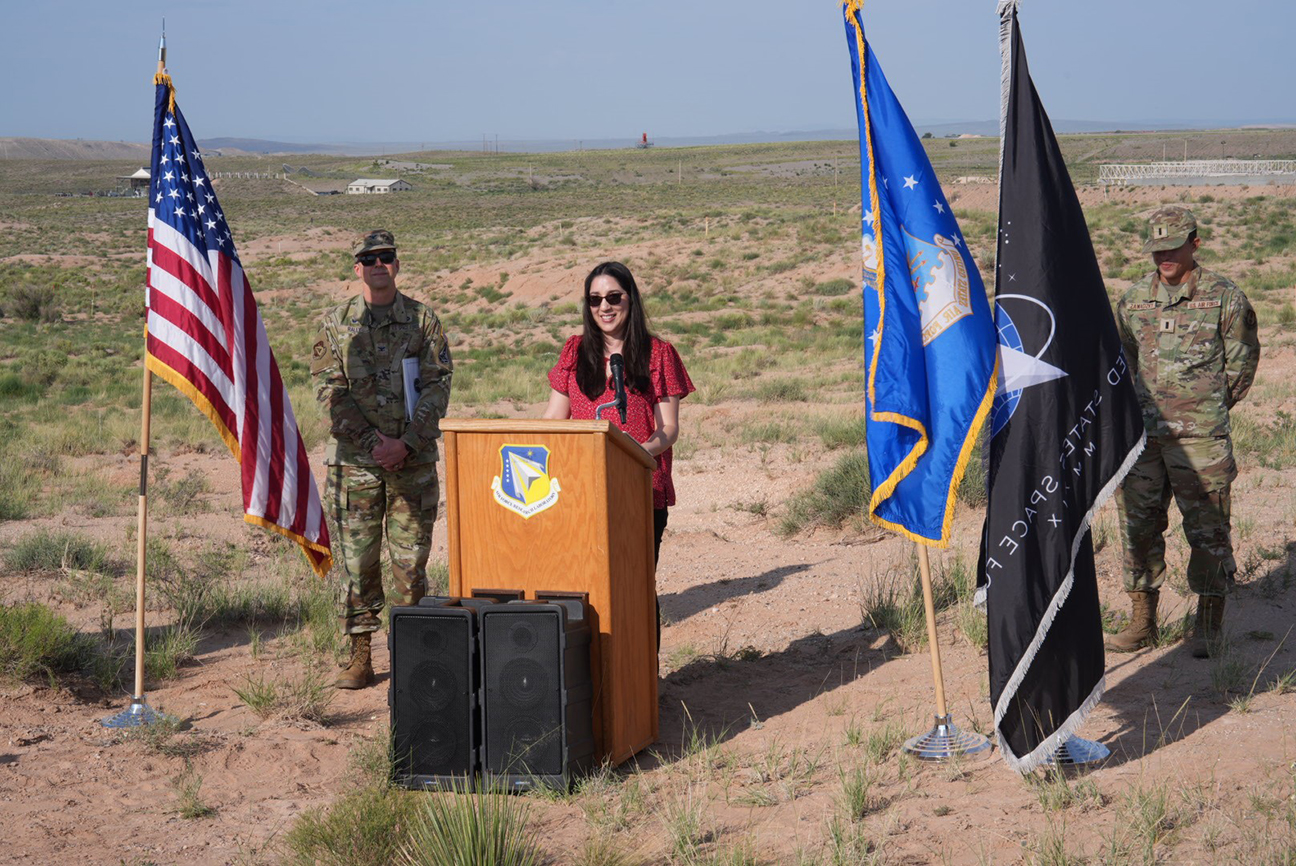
x: 613, y: 299
x: 386, y: 257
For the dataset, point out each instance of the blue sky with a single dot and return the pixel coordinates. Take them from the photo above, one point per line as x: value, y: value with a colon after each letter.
x: 575, y: 69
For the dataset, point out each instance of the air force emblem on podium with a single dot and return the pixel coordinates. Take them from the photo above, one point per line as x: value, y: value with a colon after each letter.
x: 524, y: 485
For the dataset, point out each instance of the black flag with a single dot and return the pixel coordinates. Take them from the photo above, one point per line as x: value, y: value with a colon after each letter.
x: 1065, y: 429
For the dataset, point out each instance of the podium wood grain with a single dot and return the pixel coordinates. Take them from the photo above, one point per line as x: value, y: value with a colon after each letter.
x: 596, y: 539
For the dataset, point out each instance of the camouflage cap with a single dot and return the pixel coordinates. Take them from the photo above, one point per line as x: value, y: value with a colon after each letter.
x: 1168, y: 228
x: 378, y: 239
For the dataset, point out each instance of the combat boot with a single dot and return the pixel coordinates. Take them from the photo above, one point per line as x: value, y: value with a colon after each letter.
x: 1210, y: 626
x: 359, y: 670
x: 1141, y: 630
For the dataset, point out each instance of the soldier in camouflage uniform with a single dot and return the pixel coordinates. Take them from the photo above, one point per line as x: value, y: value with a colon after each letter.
x: 1190, y: 336
x: 381, y: 457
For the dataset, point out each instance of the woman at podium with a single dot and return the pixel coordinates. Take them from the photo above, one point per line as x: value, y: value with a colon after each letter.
x: 655, y: 378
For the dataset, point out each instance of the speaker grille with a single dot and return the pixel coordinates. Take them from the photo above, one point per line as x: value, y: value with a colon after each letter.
x: 523, y: 671
x: 431, y: 694
x: 523, y: 683
x: 433, y: 686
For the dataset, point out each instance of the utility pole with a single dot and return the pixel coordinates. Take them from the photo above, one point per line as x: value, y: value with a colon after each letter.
x: 835, y: 160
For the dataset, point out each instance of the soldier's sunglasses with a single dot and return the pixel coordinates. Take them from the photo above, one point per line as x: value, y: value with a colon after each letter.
x: 386, y: 257
x: 613, y: 299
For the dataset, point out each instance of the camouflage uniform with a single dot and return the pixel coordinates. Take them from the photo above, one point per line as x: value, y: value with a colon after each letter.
x: 1194, y: 350
x: 357, y: 363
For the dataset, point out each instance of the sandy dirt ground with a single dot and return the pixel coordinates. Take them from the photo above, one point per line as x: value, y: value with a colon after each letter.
x: 765, y: 647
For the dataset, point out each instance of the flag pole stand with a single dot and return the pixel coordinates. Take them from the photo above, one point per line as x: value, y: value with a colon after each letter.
x: 945, y: 741
x: 1077, y: 751
x: 139, y: 714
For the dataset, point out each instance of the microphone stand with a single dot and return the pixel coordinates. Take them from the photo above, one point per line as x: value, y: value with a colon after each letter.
x: 618, y: 386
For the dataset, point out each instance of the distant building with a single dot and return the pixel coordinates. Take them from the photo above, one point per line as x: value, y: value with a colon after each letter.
x: 138, y: 180
x: 371, y: 186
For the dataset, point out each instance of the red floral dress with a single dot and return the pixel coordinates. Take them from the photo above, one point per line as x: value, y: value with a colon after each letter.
x: 666, y: 377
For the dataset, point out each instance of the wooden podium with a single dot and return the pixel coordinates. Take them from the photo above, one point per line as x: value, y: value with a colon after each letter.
x: 564, y: 507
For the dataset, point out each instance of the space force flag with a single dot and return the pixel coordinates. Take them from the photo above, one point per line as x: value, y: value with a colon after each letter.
x: 929, y: 338
x: 1064, y: 430
x: 205, y: 336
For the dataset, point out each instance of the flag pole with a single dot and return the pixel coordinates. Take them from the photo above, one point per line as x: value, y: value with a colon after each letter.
x: 929, y: 608
x: 945, y: 740
x: 139, y: 713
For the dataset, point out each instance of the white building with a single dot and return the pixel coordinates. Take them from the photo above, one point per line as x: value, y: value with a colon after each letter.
x: 371, y: 186
x: 138, y: 180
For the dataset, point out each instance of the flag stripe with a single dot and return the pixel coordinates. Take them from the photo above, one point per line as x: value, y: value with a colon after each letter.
x: 278, y: 444
x: 179, y: 277
x: 205, y: 336
x: 184, y: 355
x: 165, y: 307
x: 177, y: 369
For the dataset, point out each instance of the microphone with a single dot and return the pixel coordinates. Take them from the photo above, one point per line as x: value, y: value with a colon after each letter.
x: 618, y: 384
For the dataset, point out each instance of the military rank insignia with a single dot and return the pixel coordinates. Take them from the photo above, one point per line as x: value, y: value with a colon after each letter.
x: 524, y: 485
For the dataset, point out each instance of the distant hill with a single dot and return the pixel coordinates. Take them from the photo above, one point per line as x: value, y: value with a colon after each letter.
x: 234, y: 146
x: 55, y: 148
x: 49, y: 148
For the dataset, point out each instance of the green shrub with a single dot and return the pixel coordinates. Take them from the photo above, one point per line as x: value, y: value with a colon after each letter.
x: 841, y: 432
x: 305, y: 698
x: 36, y: 641
x: 367, y: 827
x: 782, y: 391
x: 1274, y: 445
x: 837, y: 495
x: 474, y: 829
x: 971, y: 490
x: 831, y: 288
x: 32, y: 303
x: 53, y: 551
x: 182, y: 495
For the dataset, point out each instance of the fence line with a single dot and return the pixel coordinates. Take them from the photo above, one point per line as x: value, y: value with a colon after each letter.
x: 1117, y: 174
x: 250, y: 175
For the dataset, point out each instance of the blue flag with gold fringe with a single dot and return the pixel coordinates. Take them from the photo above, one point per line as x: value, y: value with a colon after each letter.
x: 929, y: 348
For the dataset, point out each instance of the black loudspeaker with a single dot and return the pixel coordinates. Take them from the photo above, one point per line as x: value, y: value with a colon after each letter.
x: 537, y: 723
x: 433, y: 696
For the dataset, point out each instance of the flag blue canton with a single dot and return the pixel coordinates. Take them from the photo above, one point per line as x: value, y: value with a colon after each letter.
x: 180, y: 188
x: 930, y: 339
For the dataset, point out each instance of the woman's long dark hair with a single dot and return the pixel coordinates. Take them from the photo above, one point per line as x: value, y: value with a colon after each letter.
x: 637, y: 348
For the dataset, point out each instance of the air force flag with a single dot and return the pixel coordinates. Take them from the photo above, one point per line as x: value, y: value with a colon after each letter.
x: 930, y: 341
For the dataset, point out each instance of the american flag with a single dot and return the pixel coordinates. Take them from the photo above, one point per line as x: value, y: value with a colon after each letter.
x: 205, y: 337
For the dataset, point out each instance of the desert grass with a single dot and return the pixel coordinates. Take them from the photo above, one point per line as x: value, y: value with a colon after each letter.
x: 473, y: 829
x: 363, y: 827
x: 301, y: 697
x: 37, y: 642
x: 1056, y: 791
x: 168, y: 649
x: 169, y: 736
x: 891, y: 601
x: 187, y: 786
x: 836, y: 497
x: 46, y: 550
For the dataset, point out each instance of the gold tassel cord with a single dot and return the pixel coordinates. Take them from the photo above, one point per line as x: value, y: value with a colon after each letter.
x: 163, y: 78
